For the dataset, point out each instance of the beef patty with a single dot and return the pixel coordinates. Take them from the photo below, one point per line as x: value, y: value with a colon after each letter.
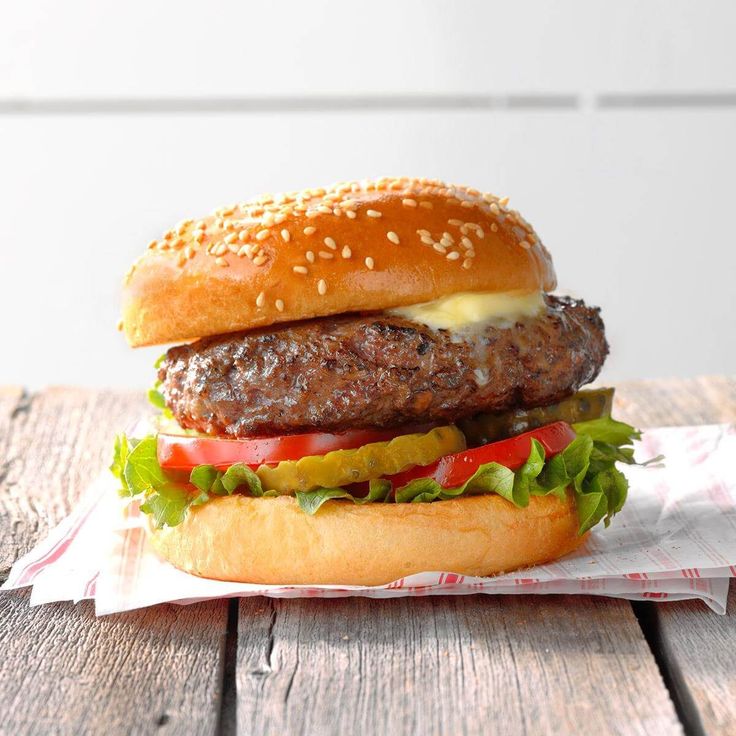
x: 360, y: 371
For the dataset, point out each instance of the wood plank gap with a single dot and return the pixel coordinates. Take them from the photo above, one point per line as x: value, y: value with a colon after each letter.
x: 227, y: 719
x: 685, y: 707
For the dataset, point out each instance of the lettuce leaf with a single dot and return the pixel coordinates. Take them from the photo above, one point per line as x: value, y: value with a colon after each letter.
x: 155, y: 397
x: 587, y: 466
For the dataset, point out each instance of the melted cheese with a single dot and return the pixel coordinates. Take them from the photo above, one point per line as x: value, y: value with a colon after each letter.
x: 463, y: 310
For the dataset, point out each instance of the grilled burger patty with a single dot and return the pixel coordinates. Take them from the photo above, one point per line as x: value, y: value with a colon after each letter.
x: 361, y: 371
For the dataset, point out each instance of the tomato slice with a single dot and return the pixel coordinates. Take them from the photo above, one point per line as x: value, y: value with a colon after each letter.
x: 181, y: 452
x: 453, y: 470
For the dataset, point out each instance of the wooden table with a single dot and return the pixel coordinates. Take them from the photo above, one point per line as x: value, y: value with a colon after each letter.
x: 466, y: 664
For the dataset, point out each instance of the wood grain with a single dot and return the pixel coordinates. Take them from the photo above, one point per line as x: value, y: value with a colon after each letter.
x: 63, y: 670
x: 454, y: 665
x: 698, y: 650
x: 57, y: 442
x: 677, y: 401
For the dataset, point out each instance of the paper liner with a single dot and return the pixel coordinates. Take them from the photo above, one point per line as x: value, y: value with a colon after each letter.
x: 674, y: 540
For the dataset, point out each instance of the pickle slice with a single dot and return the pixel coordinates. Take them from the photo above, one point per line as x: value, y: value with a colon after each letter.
x: 580, y: 407
x: 373, y: 460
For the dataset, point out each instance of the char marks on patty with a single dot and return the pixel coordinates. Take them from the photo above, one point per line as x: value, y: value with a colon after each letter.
x: 361, y: 371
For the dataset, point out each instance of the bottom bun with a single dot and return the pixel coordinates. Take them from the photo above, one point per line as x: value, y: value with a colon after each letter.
x: 272, y: 541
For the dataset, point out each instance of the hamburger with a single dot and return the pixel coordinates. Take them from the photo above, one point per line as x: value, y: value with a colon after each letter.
x: 369, y: 380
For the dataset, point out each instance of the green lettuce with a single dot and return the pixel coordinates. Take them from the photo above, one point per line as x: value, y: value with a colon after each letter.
x: 166, y: 497
x: 587, y: 466
x: 155, y: 397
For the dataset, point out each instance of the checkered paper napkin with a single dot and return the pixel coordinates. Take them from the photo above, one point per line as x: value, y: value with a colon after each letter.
x: 675, y: 539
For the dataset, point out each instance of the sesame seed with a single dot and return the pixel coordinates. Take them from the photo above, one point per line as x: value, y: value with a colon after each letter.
x: 503, y: 201
x: 261, y: 299
x: 324, y: 254
x: 373, y: 213
x: 312, y: 214
x: 231, y: 238
x: 525, y: 245
x: 279, y: 304
x: 427, y: 205
x: 409, y: 202
x: 393, y: 237
x: 330, y: 243
x: 337, y: 211
x: 495, y: 209
x: 300, y: 269
x: 324, y: 209
x: 369, y: 262
x: 262, y: 234
x: 221, y: 261
x: 310, y: 230
x: 309, y: 255
x: 466, y: 203
x: 424, y: 232
x: 285, y: 236
x: 453, y: 255
x: 466, y: 241
x: 494, y: 227
x: 447, y: 236
x: 350, y: 214
x: 259, y: 260
x: 233, y: 248
x: 439, y: 248
x: 321, y: 287
x: 244, y: 250
x: 456, y: 223
x: 220, y: 249
x: 427, y: 240
x: 467, y: 263
x: 479, y: 232
x: 280, y: 217
x: 346, y: 252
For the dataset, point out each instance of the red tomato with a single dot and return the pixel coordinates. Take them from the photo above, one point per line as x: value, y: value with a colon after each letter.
x: 453, y: 470
x: 181, y: 452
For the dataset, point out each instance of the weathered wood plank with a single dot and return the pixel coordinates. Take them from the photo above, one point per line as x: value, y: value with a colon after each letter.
x: 677, y: 401
x: 696, y: 648
x: 57, y: 442
x: 152, y: 671
x: 454, y: 665
x: 698, y: 652
x: 63, y: 670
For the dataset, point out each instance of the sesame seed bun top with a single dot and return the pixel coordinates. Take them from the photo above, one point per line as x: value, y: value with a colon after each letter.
x: 355, y: 246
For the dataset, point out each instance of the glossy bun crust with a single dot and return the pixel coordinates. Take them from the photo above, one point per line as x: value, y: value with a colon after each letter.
x: 272, y: 541
x: 356, y: 246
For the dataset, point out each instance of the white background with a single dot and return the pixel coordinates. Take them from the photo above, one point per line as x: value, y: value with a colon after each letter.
x: 612, y: 126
